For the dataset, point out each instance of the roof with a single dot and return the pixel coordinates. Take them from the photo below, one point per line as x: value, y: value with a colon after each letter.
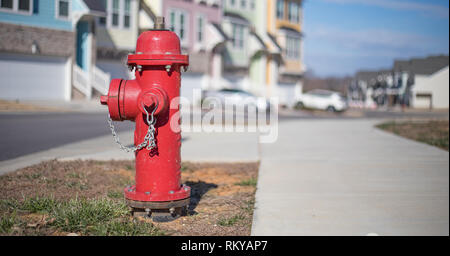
x: 236, y: 16
x: 219, y: 29
x: 422, y: 66
x: 148, y: 10
x: 367, y: 75
x: 291, y: 30
x: 259, y: 39
x: 96, y: 6
x: 274, y: 41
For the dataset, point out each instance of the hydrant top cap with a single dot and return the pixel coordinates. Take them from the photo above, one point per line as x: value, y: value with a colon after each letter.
x: 158, y: 42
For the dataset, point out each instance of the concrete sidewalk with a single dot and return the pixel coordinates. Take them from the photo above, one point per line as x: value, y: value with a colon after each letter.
x: 345, y: 177
x: 212, y: 147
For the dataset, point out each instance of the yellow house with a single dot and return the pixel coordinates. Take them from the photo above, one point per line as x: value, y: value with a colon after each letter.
x: 284, y: 26
x: 117, y: 34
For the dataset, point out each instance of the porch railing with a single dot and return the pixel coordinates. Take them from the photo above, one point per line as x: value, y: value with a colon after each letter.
x: 100, y: 80
x: 81, y: 81
x: 85, y: 81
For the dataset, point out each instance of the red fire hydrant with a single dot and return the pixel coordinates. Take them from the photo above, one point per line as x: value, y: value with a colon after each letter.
x: 146, y: 101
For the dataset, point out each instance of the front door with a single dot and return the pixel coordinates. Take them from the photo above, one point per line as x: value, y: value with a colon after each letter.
x: 83, y: 44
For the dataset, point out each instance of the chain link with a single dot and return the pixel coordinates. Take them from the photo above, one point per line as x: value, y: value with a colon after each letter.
x: 149, y: 139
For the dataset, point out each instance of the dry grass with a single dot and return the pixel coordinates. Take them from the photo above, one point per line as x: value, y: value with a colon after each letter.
x: 15, y: 106
x: 85, y: 198
x: 433, y: 132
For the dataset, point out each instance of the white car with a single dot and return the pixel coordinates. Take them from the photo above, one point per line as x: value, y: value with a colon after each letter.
x: 235, y: 97
x: 322, y: 100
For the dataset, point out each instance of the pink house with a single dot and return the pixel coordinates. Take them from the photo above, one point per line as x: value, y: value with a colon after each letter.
x: 198, y: 25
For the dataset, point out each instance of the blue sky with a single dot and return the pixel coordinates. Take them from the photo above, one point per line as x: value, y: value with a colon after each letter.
x: 343, y: 36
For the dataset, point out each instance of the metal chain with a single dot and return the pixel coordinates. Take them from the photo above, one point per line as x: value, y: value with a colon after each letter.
x: 149, y: 139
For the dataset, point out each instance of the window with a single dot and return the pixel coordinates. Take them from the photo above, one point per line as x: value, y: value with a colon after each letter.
x: 172, y: 21
x: 293, y: 12
x: 115, y: 13
x: 126, y: 15
x: 200, y: 28
x: 237, y: 39
x: 233, y: 2
x: 243, y: 3
x: 7, y: 4
x: 292, y: 50
x: 179, y: 23
x: 102, y: 20
x: 24, y: 5
x: 280, y: 9
x: 252, y: 4
x: 63, y: 9
x: 119, y: 14
x: 182, y: 30
x: 19, y: 6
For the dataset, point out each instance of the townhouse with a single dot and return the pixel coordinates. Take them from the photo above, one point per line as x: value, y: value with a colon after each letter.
x: 74, y: 47
x: 425, y: 81
x: 117, y: 33
x: 47, y: 49
x: 284, y: 25
x: 264, y: 53
x: 198, y: 25
x: 241, y: 44
x: 416, y: 83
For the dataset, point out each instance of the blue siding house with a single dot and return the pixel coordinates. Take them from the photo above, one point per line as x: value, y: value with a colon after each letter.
x: 38, y: 13
x: 51, y: 44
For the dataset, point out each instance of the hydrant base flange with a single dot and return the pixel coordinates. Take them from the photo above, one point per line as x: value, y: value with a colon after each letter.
x: 159, y: 211
x: 131, y: 194
x: 158, y: 205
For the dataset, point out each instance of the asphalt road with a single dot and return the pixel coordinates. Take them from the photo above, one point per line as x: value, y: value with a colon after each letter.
x: 22, y: 134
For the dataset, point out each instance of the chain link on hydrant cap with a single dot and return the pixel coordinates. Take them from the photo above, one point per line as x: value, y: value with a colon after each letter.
x: 149, y: 139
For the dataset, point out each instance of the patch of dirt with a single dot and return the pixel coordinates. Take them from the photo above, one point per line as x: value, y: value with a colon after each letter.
x: 220, y: 204
x: 215, y: 197
x: 15, y: 106
x: 64, y: 180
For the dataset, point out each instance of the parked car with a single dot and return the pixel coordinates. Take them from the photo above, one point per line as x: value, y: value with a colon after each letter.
x: 235, y: 97
x: 323, y: 100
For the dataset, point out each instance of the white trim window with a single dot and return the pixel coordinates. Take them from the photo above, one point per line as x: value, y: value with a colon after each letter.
x: 179, y: 23
x: 200, y: 25
x: 294, y: 12
x: 243, y: 4
x: 280, y: 9
x: 102, y: 21
x: 17, y: 6
x: 127, y: 14
x: 292, y: 50
x: 237, y: 37
x: 119, y: 14
x: 63, y: 9
x: 115, y: 13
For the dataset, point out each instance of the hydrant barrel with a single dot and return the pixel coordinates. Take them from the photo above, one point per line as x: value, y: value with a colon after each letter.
x: 157, y: 64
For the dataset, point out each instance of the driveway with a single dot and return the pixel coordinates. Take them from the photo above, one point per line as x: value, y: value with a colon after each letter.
x: 345, y: 177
